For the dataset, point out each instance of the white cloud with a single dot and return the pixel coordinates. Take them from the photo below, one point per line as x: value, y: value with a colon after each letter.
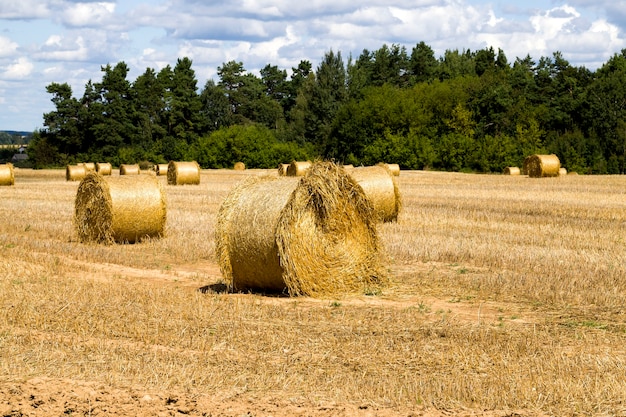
x: 88, y: 14
x: 8, y: 48
x: 23, y: 9
x: 18, y: 70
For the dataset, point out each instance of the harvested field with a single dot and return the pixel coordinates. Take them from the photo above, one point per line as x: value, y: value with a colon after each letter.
x: 506, y: 298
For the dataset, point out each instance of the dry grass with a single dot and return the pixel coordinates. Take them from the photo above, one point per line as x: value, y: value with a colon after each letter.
x: 507, y: 293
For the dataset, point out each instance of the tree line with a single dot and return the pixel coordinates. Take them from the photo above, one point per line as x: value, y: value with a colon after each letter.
x: 464, y: 111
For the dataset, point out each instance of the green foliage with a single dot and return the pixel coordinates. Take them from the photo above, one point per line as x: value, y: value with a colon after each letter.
x: 465, y: 111
x: 254, y: 145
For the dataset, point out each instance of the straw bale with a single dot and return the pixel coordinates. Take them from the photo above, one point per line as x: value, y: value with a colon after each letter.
x: 511, y: 171
x: 160, y: 169
x: 313, y: 235
x: 525, y: 164
x: 104, y: 168
x: 348, y: 167
x: 298, y: 168
x: 239, y: 166
x: 543, y: 166
x: 123, y: 209
x: 381, y: 188
x: 130, y: 169
x: 180, y: 173
x: 282, y: 169
x: 394, y: 168
x: 7, y: 175
x: 75, y: 172
x: 562, y: 171
x: 89, y: 167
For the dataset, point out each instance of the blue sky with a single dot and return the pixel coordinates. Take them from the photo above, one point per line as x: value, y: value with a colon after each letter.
x: 69, y: 40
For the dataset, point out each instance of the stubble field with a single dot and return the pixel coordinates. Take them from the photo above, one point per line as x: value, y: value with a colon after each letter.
x: 507, y: 298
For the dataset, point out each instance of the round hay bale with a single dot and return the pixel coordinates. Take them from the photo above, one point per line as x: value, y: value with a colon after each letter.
x: 282, y: 169
x: 75, y: 172
x: 239, y: 166
x: 89, y: 167
x: 348, y: 167
x: 562, y: 171
x: 7, y: 175
x: 104, y: 168
x: 525, y: 165
x: 539, y: 166
x: 130, y: 169
x: 313, y: 235
x: 511, y: 171
x: 180, y: 173
x: 160, y: 169
x: 298, y: 168
x: 393, y: 168
x: 122, y: 209
x: 381, y: 188
x: 572, y: 173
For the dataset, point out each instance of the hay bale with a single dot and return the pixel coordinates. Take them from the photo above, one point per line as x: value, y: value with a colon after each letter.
x: 539, y: 166
x: 104, y: 168
x: 160, y: 169
x: 393, y: 168
x: 525, y: 165
x: 239, y: 166
x: 130, y: 169
x: 348, y: 167
x: 562, y: 171
x: 313, y: 235
x: 122, y: 209
x: 75, y: 172
x: 298, y: 168
x: 381, y: 188
x: 282, y: 169
x: 89, y: 167
x: 180, y: 173
x: 511, y: 171
x: 7, y: 175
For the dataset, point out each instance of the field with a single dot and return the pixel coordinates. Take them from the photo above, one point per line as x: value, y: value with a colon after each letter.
x: 507, y: 298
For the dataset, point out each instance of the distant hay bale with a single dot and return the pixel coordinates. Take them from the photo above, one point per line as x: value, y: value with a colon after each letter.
x: 539, y: 166
x: 298, y: 168
x: 381, y: 188
x: 394, y: 168
x: 89, y: 167
x: 122, y: 209
x: 572, y: 173
x: 511, y: 171
x: 160, y: 169
x: 181, y: 173
x: 562, y: 171
x: 7, y: 175
x: 348, y: 167
x: 75, y: 172
x: 313, y: 235
x: 130, y: 169
x: 282, y: 169
x: 239, y: 166
x: 104, y: 168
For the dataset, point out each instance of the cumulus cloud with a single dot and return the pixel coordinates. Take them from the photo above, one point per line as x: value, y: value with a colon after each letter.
x: 23, y: 9
x: 18, y: 70
x: 7, y: 47
x: 88, y: 14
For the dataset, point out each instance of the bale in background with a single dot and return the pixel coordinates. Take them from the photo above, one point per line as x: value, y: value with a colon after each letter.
x: 160, y: 170
x: 282, y: 169
x: 511, y: 171
x: 543, y: 166
x: 122, y: 209
x: 393, y: 168
x: 313, y: 235
x: 104, y: 168
x: 7, y: 175
x: 89, y: 167
x: 381, y: 188
x: 75, y: 172
x: 180, y: 173
x: 130, y: 169
x: 239, y: 166
x: 525, y: 165
x: 562, y: 171
x: 298, y: 168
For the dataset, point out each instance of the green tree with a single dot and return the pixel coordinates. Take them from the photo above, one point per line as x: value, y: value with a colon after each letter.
x: 422, y: 63
x: 63, y: 124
